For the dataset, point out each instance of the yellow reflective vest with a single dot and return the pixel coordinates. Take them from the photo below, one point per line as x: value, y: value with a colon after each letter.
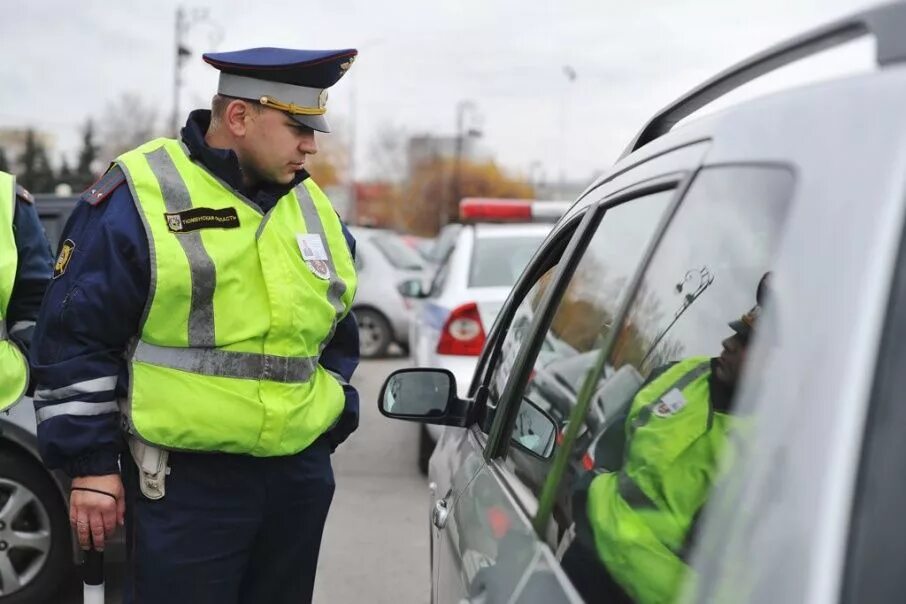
x: 13, y: 365
x: 240, y: 306
x: 641, y: 515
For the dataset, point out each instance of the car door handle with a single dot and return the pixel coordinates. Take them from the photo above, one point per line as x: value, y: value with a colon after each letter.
x: 440, y: 513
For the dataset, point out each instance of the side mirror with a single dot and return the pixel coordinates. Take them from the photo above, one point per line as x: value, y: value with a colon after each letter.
x: 534, y: 431
x: 423, y: 395
x: 411, y: 288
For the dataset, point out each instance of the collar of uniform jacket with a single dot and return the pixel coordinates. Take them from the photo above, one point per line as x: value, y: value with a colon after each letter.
x: 224, y: 164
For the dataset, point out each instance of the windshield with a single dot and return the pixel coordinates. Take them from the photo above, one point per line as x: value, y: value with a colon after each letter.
x: 397, y: 252
x: 498, y: 261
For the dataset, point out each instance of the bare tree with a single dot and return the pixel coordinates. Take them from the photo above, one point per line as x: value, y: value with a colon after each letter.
x: 128, y: 122
x: 388, y: 153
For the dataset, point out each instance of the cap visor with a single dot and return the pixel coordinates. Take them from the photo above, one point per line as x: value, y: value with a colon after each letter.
x: 315, y: 122
x: 739, y: 327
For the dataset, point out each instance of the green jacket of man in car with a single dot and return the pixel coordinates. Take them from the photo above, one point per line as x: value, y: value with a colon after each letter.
x: 642, y: 515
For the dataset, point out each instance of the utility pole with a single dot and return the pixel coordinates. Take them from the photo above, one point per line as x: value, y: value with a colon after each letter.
x: 183, y: 24
x: 461, y: 108
x: 179, y: 58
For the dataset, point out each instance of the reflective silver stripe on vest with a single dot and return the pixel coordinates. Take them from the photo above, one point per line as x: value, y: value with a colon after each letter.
x: 226, y: 363
x: 680, y: 384
x: 629, y: 490
x: 337, y: 287
x: 21, y: 326
x: 632, y: 493
x: 3, y: 333
x: 101, y: 384
x: 339, y: 378
x: 201, y: 267
x: 83, y: 408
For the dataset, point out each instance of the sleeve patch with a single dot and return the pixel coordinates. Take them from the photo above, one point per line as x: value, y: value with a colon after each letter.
x: 102, y: 189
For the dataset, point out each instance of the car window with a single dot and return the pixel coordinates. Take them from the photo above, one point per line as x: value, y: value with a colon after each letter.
x: 397, y: 252
x: 660, y: 424
x: 498, y: 261
x: 593, y: 294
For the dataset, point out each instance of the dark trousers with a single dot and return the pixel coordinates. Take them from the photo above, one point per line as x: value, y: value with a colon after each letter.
x: 231, y: 529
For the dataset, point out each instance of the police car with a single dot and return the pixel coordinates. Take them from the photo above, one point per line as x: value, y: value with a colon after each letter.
x: 481, y: 261
x: 654, y: 265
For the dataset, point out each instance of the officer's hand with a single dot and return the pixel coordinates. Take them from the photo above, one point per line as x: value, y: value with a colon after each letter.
x: 97, y: 504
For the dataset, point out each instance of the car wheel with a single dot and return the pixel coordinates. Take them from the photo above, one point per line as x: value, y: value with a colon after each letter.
x: 425, y: 449
x: 35, y: 546
x: 374, y: 333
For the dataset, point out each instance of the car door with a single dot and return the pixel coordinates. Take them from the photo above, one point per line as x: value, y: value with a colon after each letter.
x: 693, y: 304
x: 488, y: 549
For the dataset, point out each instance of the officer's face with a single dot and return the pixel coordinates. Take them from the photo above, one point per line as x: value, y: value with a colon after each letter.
x: 275, y: 147
x: 732, y: 357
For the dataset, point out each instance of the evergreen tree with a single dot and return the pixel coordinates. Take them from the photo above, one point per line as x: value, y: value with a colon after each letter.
x: 85, y: 172
x: 36, y: 174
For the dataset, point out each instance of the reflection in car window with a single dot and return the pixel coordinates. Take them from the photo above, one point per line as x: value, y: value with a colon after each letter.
x: 498, y: 261
x: 589, y: 303
x: 660, y: 425
x: 397, y: 252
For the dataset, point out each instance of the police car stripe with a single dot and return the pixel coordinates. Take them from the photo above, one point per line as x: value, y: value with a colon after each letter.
x: 313, y: 225
x: 226, y: 363
x: 201, y: 267
x: 101, y: 384
x: 80, y: 408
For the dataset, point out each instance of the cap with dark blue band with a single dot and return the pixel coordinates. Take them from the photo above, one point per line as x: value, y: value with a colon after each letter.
x: 294, y: 81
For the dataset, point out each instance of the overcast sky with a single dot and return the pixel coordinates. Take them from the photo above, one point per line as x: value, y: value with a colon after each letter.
x: 64, y: 61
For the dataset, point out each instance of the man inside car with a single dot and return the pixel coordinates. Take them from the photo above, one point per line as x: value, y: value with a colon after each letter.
x: 636, y: 513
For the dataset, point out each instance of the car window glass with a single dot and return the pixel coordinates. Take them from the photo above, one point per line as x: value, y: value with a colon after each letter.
x: 659, y: 424
x: 397, y: 252
x: 588, y: 304
x: 498, y: 261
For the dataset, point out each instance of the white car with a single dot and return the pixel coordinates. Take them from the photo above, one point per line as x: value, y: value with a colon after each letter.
x: 383, y: 261
x: 471, y: 284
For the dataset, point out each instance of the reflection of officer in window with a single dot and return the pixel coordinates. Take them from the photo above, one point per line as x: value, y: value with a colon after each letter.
x: 639, y: 515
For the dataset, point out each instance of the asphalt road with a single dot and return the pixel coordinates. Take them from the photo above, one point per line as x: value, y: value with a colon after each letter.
x: 375, y: 545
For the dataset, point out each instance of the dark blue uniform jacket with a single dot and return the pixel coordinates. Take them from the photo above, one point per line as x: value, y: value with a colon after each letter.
x: 32, y: 271
x: 92, y: 310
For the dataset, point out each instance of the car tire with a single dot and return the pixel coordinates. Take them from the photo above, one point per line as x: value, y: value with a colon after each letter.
x: 43, y: 569
x: 374, y: 333
x: 425, y: 448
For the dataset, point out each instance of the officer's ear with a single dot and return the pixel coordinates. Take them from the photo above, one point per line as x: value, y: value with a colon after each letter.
x: 237, y: 115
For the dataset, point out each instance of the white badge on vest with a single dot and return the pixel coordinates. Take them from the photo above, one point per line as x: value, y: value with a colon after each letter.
x: 314, y: 254
x: 670, y: 403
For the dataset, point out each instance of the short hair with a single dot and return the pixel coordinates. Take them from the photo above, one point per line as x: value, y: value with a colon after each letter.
x: 220, y: 102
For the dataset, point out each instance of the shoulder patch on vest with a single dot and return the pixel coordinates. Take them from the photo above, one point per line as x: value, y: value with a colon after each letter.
x: 105, y: 185
x: 23, y: 194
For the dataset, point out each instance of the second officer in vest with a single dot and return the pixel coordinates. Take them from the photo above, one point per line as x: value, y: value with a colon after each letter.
x: 200, y: 314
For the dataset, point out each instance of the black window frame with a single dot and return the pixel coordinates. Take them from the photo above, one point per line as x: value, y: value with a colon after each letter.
x: 504, y: 416
x: 875, y: 548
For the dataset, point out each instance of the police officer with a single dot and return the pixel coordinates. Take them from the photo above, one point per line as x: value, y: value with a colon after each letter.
x: 25, y: 267
x: 200, y: 313
x: 637, y: 516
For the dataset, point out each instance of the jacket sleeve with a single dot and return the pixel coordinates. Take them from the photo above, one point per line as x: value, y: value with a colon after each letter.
x: 91, y: 310
x: 34, y: 268
x: 341, y: 357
